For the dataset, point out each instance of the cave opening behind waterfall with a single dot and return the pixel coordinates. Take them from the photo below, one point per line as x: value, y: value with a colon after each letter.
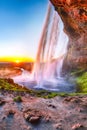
x: 52, y: 50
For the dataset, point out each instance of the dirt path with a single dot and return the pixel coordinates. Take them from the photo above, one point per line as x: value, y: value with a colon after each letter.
x: 59, y: 113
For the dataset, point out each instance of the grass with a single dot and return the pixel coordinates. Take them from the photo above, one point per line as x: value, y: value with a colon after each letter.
x: 17, y: 99
x: 8, y: 84
x: 82, y: 83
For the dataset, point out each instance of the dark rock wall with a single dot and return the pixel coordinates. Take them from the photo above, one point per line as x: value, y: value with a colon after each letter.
x: 74, y: 17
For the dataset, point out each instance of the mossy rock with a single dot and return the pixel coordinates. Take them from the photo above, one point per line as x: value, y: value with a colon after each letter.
x: 77, y: 72
x: 8, y: 84
x: 82, y: 83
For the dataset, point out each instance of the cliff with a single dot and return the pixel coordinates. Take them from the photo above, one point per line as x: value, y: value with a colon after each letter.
x: 74, y: 16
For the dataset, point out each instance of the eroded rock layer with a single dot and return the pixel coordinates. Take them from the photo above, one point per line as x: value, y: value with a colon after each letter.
x: 74, y: 16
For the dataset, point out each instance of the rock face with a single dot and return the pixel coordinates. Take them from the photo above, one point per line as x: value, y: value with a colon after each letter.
x: 74, y: 17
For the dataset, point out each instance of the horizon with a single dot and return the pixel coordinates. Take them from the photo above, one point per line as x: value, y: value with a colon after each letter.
x: 21, y: 26
x: 16, y: 59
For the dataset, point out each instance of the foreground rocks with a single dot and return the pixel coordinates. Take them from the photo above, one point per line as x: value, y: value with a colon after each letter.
x: 2, y: 101
x: 59, y: 113
x: 32, y: 116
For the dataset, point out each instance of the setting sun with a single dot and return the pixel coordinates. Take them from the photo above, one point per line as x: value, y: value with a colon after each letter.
x: 17, y: 61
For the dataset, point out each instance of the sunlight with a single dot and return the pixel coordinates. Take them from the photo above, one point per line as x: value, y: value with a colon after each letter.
x: 17, y: 61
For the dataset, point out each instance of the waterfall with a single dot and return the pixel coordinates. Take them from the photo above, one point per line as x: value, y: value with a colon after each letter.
x: 52, y: 48
x: 51, y: 52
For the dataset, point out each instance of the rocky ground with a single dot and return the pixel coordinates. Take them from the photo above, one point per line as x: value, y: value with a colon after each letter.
x: 34, y: 113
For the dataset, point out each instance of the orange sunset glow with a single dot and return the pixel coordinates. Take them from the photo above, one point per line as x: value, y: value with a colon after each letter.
x: 16, y: 59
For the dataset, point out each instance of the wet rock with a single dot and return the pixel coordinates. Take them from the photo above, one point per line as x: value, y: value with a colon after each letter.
x: 10, y: 113
x: 26, y: 116
x: 58, y: 126
x: 29, y: 128
x: 34, y: 119
x: 61, y: 120
x: 25, y: 127
x: 4, y: 117
x: 77, y: 126
x: 32, y: 116
x: 2, y: 101
x: 47, y: 119
x: 72, y: 100
x: 68, y: 99
x: 51, y: 105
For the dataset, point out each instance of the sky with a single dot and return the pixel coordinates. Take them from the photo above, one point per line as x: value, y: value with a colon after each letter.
x: 21, y: 23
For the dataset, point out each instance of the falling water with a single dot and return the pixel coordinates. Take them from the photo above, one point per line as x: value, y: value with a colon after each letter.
x: 51, y: 52
x: 52, y: 48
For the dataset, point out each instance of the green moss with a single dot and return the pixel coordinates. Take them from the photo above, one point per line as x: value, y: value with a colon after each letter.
x: 51, y: 95
x: 43, y: 93
x: 7, y: 84
x: 82, y: 83
x: 77, y: 72
x: 46, y: 94
x: 17, y: 99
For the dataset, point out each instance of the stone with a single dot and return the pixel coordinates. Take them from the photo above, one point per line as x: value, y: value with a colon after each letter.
x: 32, y: 116
x: 4, y: 117
x: 77, y: 126
x: 2, y: 101
x: 51, y: 105
x: 26, y: 116
x: 11, y: 113
x: 34, y: 119
x: 72, y: 100
x: 58, y: 126
x: 29, y: 128
x: 47, y: 119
